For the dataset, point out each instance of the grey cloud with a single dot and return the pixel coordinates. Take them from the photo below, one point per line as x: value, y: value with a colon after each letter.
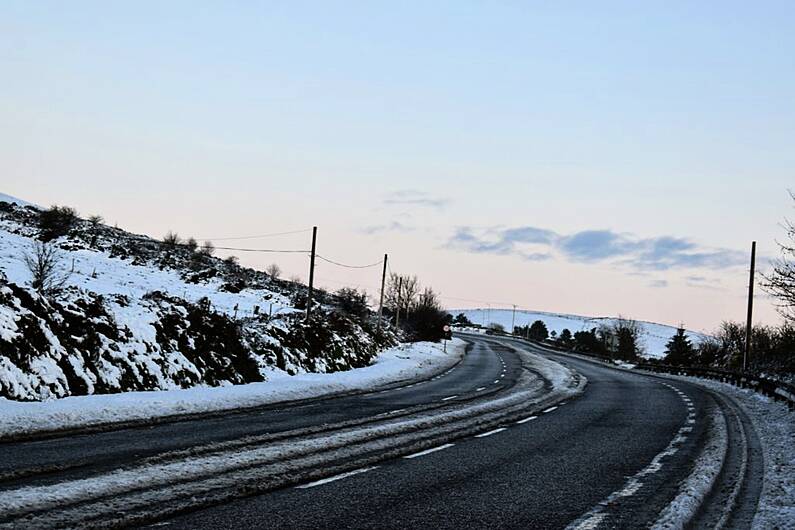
x: 394, y: 226
x: 415, y: 198
x: 596, y: 246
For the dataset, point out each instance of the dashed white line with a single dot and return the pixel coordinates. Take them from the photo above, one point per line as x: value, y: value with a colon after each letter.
x: 495, y: 431
x: 429, y: 451
x: 496, y: 381
x: 550, y: 409
x: 480, y: 388
x: 530, y: 418
x: 448, y: 398
x: 336, y: 477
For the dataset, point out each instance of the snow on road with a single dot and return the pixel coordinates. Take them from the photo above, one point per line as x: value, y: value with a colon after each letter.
x: 406, y: 361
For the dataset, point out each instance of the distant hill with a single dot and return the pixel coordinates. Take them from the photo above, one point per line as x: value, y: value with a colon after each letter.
x: 654, y: 338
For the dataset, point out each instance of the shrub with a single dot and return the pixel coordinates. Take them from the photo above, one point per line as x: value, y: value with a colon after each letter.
x: 56, y: 221
x: 44, y: 264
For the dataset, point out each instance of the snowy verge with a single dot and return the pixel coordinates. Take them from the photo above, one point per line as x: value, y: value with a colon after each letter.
x: 775, y: 427
x: 697, y: 485
x: 403, y: 362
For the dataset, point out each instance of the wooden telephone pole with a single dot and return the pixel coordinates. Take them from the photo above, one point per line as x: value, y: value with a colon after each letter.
x: 381, y: 302
x: 311, y: 273
x: 749, y: 322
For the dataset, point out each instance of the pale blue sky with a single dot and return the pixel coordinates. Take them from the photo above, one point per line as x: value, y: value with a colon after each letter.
x: 649, y: 141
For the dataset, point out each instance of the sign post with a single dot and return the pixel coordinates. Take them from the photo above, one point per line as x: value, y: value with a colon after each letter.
x: 447, y: 335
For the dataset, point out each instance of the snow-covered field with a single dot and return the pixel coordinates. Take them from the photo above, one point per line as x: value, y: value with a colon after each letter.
x: 655, y: 336
x: 407, y: 361
x: 99, y: 273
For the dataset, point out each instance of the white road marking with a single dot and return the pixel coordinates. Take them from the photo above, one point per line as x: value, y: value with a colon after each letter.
x: 448, y: 398
x: 429, y: 451
x: 526, y: 419
x: 495, y: 431
x: 480, y: 388
x: 496, y: 381
x: 336, y: 477
x: 396, y: 411
x: 550, y: 409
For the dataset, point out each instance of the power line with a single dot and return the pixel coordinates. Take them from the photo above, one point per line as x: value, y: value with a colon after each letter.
x: 379, y: 262
x: 269, y: 250
x: 260, y: 236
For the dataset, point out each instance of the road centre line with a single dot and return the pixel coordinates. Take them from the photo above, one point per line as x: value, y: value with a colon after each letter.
x: 336, y: 477
x: 495, y: 431
x: 429, y: 451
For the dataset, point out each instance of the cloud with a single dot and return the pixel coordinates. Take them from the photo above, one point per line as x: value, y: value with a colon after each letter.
x: 394, y: 226
x: 415, y: 198
x: 702, y: 282
x: 659, y: 284
x: 507, y: 243
x: 596, y: 246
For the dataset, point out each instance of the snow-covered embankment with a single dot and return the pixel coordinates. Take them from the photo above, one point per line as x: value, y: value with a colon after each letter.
x: 401, y: 363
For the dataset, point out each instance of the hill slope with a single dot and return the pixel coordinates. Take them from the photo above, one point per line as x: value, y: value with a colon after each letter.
x: 653, y: 340
x: 137, y: 314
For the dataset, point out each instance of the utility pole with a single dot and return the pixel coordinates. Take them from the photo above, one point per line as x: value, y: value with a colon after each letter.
x: 399, y: 292
x: 381, y: 302
x: 311, y: 273
x: 513, y: 319
x: 749, y: 322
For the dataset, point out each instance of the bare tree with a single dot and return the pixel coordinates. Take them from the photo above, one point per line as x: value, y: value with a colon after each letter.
x: 95, y: 221
x: 401, y: 292
x: 274, y: 271
x: 208, y: 249
x: 296, y: 279
x: 780, y: 282
x: 171, y: 239
x: 44, y: 264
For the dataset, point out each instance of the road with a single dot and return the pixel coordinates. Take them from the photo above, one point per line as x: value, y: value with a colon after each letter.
x: 543, y: 473
x: 24, y: 463
x: 612, y: 456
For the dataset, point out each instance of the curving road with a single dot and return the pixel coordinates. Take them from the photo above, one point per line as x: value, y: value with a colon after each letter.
x: 542, y: 473
x: 611, y: 457
x: 73, y: 456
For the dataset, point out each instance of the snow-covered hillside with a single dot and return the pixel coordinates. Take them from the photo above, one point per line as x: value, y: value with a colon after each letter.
x: 137, y: 314
x: 13, y: 200
x: 655, y: 336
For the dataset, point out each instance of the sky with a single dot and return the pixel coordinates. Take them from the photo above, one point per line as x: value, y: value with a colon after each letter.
x: 597, y: 158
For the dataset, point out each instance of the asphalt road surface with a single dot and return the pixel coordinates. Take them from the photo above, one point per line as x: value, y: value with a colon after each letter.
x: 75, y: 456
x: 611, y: 457
x: 541, y: 473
